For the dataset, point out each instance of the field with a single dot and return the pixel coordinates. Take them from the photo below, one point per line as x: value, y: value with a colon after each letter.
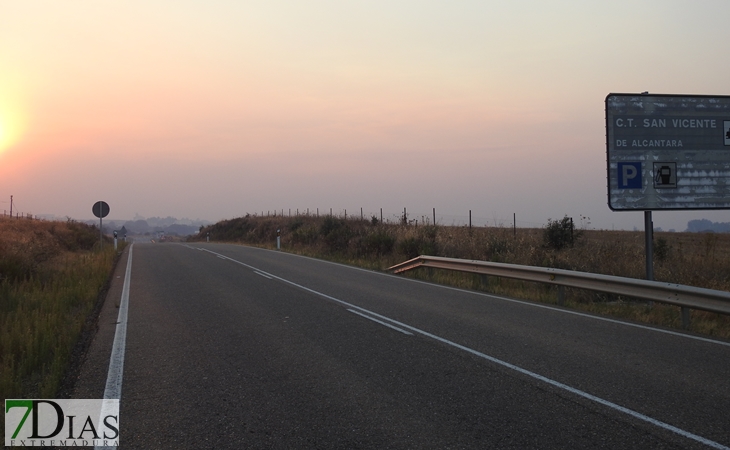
x: 51, y: 277
x: 695, y: 259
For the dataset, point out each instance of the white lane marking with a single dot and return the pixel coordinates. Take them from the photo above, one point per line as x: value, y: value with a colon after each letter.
x: 113, y: 389
x: 261, y: 274
x: 380, y: 322
x: 589, y: 316
x: 511, y: 300
x: 497, y: 361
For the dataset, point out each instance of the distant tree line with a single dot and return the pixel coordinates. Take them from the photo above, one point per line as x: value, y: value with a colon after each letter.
x: 704, y: 225
x: 168, y: 225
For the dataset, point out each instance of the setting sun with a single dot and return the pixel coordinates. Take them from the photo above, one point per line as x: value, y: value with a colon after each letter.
x: 10, y: 130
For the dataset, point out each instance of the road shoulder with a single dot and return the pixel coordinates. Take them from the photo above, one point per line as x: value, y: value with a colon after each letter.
x: 89, y: 379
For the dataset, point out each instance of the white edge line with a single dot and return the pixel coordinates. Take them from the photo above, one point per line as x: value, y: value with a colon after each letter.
x: 494, y: 360
x: 506, y: 299
x: 380, y: 322
x: 261, y: 274
x: 560, y: 385
x: 581, y: 314
x: 113, y: 388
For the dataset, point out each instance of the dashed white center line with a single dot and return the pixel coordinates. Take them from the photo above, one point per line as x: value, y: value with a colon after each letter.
x: 380, y: 322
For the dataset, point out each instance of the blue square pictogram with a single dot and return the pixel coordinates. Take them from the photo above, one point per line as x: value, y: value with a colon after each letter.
x: 629, y: 175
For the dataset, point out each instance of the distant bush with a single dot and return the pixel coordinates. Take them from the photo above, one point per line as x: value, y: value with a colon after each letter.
x: 331, y: 224
x: 661, y: 249
x: 378, y: 243
x: 559, y: 234
x: 336, y: 233
x: 424, y: 243
x: 229, y: 230
x: 304, y: 234
x: 409, y: 247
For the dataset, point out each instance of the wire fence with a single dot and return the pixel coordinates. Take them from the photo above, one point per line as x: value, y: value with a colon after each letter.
x: 19, y: 215
x: 405, y: 217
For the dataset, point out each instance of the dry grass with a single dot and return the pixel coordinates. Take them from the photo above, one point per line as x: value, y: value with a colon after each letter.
x: 685, y: 258
x: 51, y: 274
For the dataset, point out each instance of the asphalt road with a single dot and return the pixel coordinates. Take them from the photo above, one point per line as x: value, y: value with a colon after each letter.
x: 237, y: 347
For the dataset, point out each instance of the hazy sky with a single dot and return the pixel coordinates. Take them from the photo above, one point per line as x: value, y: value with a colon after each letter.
x: 213, y: 109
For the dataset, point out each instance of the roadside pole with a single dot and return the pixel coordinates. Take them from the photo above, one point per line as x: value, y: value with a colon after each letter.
x: 649, y: 243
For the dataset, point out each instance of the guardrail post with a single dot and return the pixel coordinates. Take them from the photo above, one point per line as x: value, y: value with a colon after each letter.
x: 561, y: 295
x: 685, y: 318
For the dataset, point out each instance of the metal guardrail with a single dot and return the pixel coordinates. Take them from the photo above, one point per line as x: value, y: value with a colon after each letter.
x: 674, y: 294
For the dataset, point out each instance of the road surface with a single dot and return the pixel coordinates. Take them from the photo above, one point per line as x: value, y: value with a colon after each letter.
x: 235, y: 347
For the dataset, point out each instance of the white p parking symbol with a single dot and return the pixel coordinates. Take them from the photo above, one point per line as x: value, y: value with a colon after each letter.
x: 629, y: 175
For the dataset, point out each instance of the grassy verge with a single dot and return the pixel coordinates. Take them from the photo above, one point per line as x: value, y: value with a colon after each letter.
x: 685, y: 258
x: 51, y: 275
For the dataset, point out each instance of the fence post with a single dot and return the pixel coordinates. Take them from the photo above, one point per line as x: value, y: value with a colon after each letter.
x: 571, y: 231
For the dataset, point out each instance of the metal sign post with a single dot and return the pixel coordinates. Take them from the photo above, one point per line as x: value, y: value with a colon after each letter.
x: 100, y: 210
x: 649, y: 245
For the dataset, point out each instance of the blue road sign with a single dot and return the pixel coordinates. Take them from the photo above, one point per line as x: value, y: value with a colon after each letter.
x: 667, y: 152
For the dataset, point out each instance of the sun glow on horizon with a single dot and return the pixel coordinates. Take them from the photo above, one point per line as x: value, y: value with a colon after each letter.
x: 11, y: 129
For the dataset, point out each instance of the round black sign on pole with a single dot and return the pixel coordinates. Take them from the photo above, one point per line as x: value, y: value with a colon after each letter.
x: 100, y: 210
